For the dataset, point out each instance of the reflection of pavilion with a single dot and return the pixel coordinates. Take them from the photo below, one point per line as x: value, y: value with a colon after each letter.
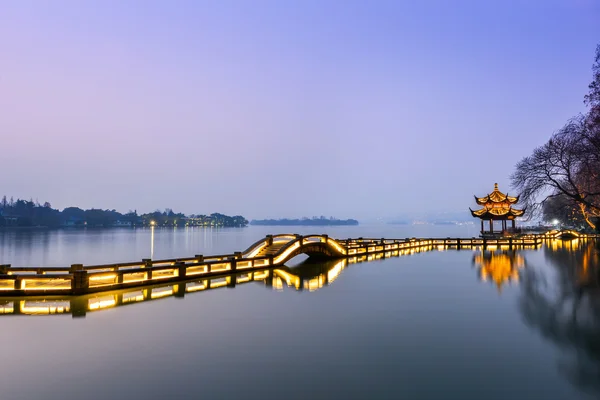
x: 499, y: 267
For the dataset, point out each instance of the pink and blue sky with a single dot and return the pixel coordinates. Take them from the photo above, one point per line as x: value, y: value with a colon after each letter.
x: 283, y: 108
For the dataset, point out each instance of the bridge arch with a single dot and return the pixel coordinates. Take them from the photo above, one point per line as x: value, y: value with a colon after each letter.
x: 283, y: 248
x: 563, y: 234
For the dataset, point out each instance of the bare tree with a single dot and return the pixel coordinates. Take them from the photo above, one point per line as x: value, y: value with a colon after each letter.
x: 592, y: 99
x: 568, y: 165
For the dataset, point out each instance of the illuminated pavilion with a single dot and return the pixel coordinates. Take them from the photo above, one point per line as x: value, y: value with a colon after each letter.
x: 497, y: 206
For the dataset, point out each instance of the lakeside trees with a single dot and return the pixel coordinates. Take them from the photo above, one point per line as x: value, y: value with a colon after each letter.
x: 23, y: 213
x: 563, y: 175
x: 170, y: 218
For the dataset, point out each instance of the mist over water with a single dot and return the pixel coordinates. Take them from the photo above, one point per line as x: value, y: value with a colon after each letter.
x: 97, y: 246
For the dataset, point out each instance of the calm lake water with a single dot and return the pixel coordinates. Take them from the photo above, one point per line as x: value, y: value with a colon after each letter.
x: 449, y: 324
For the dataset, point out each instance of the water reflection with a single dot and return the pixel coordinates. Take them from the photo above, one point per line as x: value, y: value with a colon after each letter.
x: 563, y: 305
x: 152, y: 242
x: 499, y: 266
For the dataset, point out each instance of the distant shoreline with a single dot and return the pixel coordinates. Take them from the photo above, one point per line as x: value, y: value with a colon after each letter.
x: 33, y: 215
x: 304, y: 222
x: 98, y: 228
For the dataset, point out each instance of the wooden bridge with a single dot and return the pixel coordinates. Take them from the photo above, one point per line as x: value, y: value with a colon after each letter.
x: 268, y: 253
x: 299, y: 279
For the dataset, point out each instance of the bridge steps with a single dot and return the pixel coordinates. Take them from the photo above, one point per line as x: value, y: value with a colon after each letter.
x: 270, y: 250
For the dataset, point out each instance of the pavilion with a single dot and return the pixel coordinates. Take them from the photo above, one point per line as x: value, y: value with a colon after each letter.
x: 497, y: 206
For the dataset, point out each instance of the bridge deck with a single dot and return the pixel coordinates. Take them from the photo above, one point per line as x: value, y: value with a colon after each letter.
x: 270, y: 252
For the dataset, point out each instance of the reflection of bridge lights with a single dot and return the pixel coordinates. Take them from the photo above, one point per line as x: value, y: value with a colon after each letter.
x: 334, y: 272
x: 261, y: 275
x: 35, y: 307
x: 196, y: 286
x: 7, y: 308
x: 568, y: 244
x: 162, y: 293
x: 244, y: 278
x: 133, y: 297
x: 277, y: 283
x: 315, y: 283
x: 289, y: 278
x: 217, y: 283
x: 106, y: 303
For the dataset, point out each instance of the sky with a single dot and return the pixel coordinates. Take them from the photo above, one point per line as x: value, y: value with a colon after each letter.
x: 268, y: 109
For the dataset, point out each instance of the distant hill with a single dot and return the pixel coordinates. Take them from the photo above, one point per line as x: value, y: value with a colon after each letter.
x: 304, y: 222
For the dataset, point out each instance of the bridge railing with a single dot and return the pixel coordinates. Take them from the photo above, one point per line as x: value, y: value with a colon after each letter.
x: 306, y: 239
x: 256, y: 247
x: 287, y: 249
x: 114, y: 276
x: 80, y: 305
x: 299, y: 241
x: 79, y: 278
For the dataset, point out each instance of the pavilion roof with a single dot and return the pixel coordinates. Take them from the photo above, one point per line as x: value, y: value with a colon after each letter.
x: 503, y: 211
x: 496, y: 197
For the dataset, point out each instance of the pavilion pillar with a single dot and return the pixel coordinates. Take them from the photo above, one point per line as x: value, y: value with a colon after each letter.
x: 513, y: 224
x: 482, y: 226
x: 491, y: 226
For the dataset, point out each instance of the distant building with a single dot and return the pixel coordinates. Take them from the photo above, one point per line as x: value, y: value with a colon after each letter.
x: 119, y: 223
x: 73, y: 221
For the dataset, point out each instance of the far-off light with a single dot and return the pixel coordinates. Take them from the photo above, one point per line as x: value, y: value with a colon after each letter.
x: 555, y: 222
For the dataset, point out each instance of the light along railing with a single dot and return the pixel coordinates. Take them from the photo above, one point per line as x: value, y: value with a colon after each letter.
x: 80, y: 279
x: 79, y: 306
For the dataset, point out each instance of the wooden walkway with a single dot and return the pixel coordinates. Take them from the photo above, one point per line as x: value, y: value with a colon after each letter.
x: 270, y: 252
x: 78, y: 306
